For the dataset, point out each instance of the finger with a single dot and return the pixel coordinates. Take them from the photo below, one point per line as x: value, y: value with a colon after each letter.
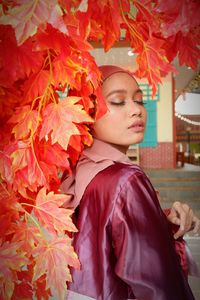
x: 174, y: 220
x: 179, y: 233
x: 196, y: 224
x: 190, y: 220
x: 186, y: 216
x: 183, y: 219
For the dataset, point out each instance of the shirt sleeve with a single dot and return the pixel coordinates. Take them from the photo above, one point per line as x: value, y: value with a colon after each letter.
x: 145, y: 256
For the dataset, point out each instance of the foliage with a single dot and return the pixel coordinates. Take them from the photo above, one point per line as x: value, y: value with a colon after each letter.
x: 47, y: 76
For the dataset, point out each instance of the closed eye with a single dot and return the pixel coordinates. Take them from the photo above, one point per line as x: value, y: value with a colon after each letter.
x: 118, y: 103
x: 139, y: 102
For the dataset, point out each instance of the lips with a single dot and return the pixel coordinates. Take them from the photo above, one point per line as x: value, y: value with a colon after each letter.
x: 137, y: 126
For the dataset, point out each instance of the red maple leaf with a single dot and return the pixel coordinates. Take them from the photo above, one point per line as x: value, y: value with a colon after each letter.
x: 49, y: 212
x: 16, y: 62
x: 23, y: 284
x: 178, y: 16
x: 59, y: 120
x: 27, y: 17
x: 53, y: 259
x: 53, y: 155
x: 22, y: 290
x: 52, y: 39
x: 35, y: 86
x: 65, y: 73
x: 9, y: 99
x: 109, y: 16
x: 153, y: 63
x: 40, y: 289
x: 189, y: 53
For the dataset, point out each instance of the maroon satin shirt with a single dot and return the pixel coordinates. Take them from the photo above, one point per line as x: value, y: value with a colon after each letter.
x: 124, y: 244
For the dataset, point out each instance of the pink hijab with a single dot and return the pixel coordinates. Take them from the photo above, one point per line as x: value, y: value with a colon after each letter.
x: 94, y: 159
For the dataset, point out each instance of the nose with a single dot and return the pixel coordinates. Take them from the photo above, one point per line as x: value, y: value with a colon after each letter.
x: 135, y: 109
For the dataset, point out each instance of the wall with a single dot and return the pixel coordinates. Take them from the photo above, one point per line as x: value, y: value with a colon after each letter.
x: 162, y: 156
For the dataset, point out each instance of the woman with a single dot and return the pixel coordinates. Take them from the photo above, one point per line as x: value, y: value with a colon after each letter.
x: 125, y: 243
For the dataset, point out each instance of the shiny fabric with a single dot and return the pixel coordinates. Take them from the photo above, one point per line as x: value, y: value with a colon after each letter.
x: 124, y: 243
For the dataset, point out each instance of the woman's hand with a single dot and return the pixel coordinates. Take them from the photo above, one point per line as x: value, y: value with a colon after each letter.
x: 181, y: 214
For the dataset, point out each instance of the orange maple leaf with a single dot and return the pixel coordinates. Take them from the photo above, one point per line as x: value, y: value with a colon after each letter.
x: 51, y: 215
x: 29, y: 235
x: 11, y: 259
x: 27, y: 17
x: 53, y: 258
x: 9, y: 211
x: 27, y: 122
x: 35, y: 85
x: 153, y: 63
x: 59, y: 119
x: 53, y: 155
x: 26, y: 169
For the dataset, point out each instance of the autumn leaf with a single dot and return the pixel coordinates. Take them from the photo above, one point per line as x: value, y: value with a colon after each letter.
x: 41, y: 292
x: 64, y: 74
x: 29, y: 235
x: 53, y: 259
x: 6, y: 162
x: 49, y: 212
x: 35, y: 86
x: 178, y: 16
x: 53, y: 39
x: 153, y: 63
x: 26, y: 168
x: 189, y: 53
x: 59, y: 119
x: 9, y: 100
x: 9, y: 211
x: 27, y: 17
x: 16, y: 62
x: 27, y: 122
x: 23, y: 290
x: 11, y: 259
x: 53, y: 155
x: 101, y: 107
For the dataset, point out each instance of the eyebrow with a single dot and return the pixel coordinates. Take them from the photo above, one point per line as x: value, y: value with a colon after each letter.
x: 123, y: 92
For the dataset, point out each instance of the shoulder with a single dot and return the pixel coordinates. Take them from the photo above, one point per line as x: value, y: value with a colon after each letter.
x: 118, y: 171
x: 118, y: 176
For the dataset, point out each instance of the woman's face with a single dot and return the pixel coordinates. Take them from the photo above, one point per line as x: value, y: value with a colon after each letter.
x: 124, y: 123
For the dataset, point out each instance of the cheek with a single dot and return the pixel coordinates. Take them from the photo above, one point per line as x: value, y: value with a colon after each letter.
x: 106, y: 125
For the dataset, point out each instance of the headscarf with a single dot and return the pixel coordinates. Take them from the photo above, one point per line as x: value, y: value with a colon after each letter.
x: 108, y: 70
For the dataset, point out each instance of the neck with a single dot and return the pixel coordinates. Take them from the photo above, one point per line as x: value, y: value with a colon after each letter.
x: 121, y: 148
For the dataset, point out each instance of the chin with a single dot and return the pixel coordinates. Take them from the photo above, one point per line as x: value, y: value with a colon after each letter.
x: 134, y: 141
